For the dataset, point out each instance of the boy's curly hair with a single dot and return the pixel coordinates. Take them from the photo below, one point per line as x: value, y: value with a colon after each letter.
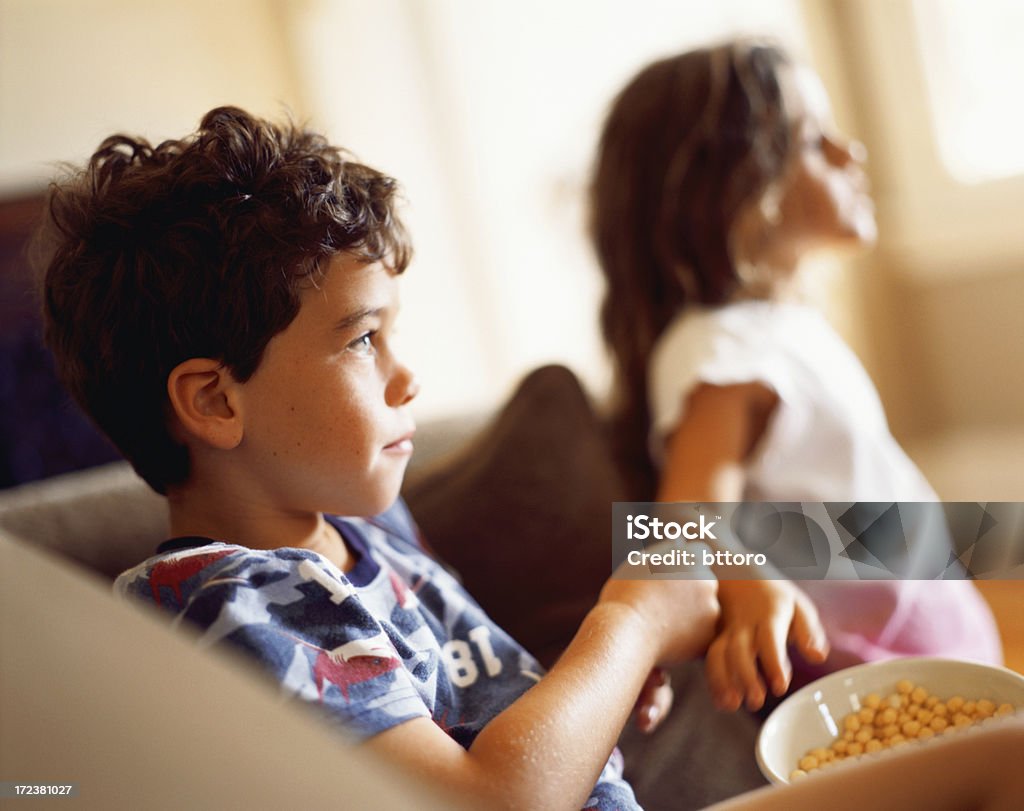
x: 195, y: 248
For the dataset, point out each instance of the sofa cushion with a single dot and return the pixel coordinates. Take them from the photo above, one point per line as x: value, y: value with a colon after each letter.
x: 523, y: 512
x: 104, y: 518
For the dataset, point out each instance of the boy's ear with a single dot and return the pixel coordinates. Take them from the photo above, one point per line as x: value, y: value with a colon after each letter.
x: 204, y: 396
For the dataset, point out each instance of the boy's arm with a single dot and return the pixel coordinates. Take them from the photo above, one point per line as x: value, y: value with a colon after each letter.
x: 548, y: 748
x: 704, y: 462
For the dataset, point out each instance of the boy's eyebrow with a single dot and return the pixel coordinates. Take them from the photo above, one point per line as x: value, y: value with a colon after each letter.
x: 354, y: 318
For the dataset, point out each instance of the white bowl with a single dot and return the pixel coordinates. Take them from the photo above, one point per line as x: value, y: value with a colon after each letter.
x: 811, y: 716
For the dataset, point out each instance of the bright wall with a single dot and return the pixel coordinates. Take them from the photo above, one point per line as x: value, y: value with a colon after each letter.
x: 486, y: 111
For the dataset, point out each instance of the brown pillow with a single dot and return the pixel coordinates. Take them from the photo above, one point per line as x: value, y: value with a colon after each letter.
x: 523, y: 512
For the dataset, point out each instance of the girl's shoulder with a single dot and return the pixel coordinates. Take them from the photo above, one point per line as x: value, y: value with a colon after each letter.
x: 754, y: 326
x: 745, y: 322
x: 741, y: 342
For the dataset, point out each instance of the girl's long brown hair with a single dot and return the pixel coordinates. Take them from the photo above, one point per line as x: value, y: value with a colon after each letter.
x: 688, y: 143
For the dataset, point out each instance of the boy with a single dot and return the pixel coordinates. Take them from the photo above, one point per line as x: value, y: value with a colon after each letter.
x: 222, y: 306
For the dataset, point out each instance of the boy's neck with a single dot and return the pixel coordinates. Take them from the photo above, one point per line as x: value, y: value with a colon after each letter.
x: 211, y: 514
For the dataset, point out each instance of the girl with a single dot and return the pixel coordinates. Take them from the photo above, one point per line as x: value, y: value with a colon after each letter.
x: 718, y: 172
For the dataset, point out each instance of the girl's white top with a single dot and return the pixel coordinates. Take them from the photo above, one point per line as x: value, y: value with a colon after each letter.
x: 827, y: 440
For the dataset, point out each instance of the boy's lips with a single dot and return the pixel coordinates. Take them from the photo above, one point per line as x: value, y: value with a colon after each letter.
x: 401, y: 445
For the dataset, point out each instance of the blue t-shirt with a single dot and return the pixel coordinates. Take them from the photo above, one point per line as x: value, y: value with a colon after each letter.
x: 395, y: 638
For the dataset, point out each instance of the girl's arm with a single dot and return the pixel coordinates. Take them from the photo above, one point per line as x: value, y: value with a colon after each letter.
x: 704, y: 462
x: 707, y: 452
x: 547, y: 749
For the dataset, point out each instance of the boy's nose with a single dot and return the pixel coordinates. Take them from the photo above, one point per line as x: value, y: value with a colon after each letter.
x: 403, y: 387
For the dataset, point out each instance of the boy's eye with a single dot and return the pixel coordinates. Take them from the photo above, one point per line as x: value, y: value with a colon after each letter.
x: 363, y: 344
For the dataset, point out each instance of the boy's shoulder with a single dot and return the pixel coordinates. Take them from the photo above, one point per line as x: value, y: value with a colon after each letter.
x: 183, y: 567
x: 319, y: 635
x: 189, y: 567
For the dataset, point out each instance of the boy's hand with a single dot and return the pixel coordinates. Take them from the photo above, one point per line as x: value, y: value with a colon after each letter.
x: 655, y: 701
x: 680, y: 613
x: 759, y: 618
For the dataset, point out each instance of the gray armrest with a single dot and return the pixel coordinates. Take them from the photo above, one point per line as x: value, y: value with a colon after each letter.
x: 105, y: 518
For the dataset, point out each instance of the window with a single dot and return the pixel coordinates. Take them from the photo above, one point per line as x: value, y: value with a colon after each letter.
x: 973, y: 65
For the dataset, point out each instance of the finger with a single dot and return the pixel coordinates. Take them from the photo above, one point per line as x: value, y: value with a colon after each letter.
x: 666, y: 698
x: 807, y: 633
x: 724, y: 692
x: 646, y: 718
x: 647, y: 709
x: 655, y: 679
x: 663, y: 703
x: 649, y: 717
x: 742, y: 660
x: 771, y: 650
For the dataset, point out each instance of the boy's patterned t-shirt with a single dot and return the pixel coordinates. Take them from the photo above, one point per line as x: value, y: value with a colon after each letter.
x: 395, y: 638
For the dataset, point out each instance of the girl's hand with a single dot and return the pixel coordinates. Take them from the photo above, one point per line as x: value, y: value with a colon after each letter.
x: 759, y: 618
x: 655, y: 701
